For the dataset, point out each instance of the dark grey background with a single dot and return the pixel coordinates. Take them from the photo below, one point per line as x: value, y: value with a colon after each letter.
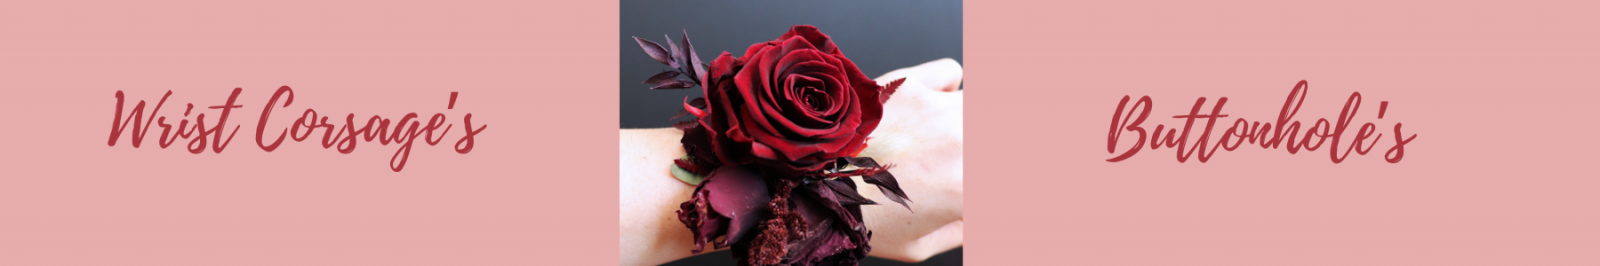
x: 878, y: 35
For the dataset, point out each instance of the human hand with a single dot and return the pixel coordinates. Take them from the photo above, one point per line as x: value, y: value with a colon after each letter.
x: 921, y: 134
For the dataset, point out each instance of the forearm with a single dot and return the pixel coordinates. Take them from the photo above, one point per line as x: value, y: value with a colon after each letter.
x: 651, y: 233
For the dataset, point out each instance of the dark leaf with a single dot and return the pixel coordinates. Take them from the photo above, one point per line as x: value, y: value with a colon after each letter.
x: 677, y: 56
x: 698, y: 68
x: 686, y: 125
x: 862, y: 162
x: 830, y: 232
x: 699, y: 102
x: 656, y: 52
x: 881, y: 177
x: 675, y: 84
x: 847, y: 194
x: 826, y: 196
x: 663, y: 78
x: 883, y: 96
x: 681, y: 113
x: 889, y: 186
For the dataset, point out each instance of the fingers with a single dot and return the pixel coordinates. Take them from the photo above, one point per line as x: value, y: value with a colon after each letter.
x: 940, y: 75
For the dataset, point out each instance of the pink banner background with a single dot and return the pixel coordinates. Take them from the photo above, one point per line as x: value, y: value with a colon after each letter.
x: 538, y: 188
x: 1498, y: 94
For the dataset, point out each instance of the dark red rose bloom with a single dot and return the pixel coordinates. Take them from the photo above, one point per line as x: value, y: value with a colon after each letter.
x: 793, y: 104
x: 809, y: 222
x: 729, y: 205
x: 775, y: 137
x: 812, y: 223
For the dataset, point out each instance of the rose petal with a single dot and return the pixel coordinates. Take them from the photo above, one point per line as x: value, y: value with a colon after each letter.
x: 691, y: 109
x: 697, y: 142
x: 766, y: 73
x: 832, y: 87
x: 704, y: 224
x: 810, y: 64
x: 804, y: 112
x: 720, y: 67
x: 797, y: 43
x: 763, y: 151
x: 817, y: 39
x: 740, y: 194
x: 865, y: 88
x: 696, y: 103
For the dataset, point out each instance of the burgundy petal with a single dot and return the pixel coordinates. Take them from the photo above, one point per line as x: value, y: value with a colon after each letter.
x: 720, y: 67
x: 829, y: 235
x: 697, y: 141
x: 825, y: 195
x: 688, y: 106
x: 817, y: 39
x: 699, y: 103
x: 740, y: 194
x: 704, y: 224
x: 763, y: 151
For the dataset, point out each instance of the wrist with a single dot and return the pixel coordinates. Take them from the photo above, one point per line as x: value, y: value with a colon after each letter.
x: 651, y: 232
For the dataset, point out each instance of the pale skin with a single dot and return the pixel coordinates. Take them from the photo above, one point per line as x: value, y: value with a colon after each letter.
x: 920, y: 134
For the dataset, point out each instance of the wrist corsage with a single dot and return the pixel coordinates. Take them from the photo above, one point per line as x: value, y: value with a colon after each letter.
x: 773, y: 147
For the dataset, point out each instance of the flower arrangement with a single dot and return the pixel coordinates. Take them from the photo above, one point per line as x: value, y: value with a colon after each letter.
x: 773, y: 148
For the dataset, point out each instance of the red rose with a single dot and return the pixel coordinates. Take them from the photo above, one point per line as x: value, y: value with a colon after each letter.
x: 793, y: 104
x: 772, y: 137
